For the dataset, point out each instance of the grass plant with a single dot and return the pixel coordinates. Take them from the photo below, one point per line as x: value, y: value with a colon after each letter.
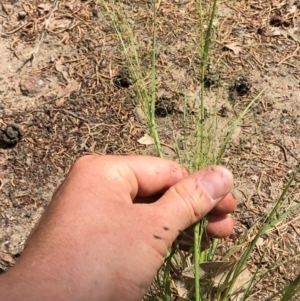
x: 203, y: 145
x: 202, y: 160
x: 146, y: 95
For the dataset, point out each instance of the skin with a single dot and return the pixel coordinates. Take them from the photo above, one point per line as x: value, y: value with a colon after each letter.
x: 109, y: 225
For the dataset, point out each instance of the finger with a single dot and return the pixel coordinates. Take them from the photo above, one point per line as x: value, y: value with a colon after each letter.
x: 219, y: 226
x: 136, y: 175
x: 227, y: 205
x: 155, y: 175
x: 193, y: 197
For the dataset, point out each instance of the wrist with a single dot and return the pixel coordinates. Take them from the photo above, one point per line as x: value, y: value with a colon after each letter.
x: 18, y: 284
x: 35, y: 284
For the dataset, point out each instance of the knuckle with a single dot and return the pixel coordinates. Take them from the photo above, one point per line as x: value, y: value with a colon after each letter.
x: 177, y: 171
x: 104, y: 167
x: 191, y: 197
x: 85, y: 162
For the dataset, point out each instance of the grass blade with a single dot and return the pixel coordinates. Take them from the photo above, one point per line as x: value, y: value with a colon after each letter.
x: 235, y: 124
x: 267, y: 225
x: 153, y: 85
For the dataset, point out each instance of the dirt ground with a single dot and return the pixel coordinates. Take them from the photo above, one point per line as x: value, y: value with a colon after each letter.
x: 65, y: 93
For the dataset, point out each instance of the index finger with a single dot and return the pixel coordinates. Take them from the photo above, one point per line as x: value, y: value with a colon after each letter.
x: 134, y: 175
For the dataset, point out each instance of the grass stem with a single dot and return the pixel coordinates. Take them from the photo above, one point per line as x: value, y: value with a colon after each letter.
x: 153, y: 85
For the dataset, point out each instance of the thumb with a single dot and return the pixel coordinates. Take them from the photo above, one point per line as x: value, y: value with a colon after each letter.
x: 192, y: 198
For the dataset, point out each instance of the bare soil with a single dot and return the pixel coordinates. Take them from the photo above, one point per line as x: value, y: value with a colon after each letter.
x: 65, y: 92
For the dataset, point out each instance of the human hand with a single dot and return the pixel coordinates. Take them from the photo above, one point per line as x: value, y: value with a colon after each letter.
x: 109, y: 225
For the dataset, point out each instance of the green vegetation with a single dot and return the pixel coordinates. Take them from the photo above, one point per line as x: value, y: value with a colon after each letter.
x: 204, y: 145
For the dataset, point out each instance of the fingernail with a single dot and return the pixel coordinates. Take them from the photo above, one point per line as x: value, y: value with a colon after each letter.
x: 216, y: 183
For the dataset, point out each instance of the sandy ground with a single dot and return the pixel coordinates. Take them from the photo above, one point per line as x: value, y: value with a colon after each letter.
x: 64, y: 93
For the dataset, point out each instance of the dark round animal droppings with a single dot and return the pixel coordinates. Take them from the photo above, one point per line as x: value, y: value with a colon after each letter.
x: 122, y: 82
x: 223, y: 112
x: 209, y: 81
x: 10, y: 135
x: 22, y: 15
x: 123, y: 79
x: 261, y: 31
x: 163, y: 108
x: 242, y: 86
x: 276, y: 21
